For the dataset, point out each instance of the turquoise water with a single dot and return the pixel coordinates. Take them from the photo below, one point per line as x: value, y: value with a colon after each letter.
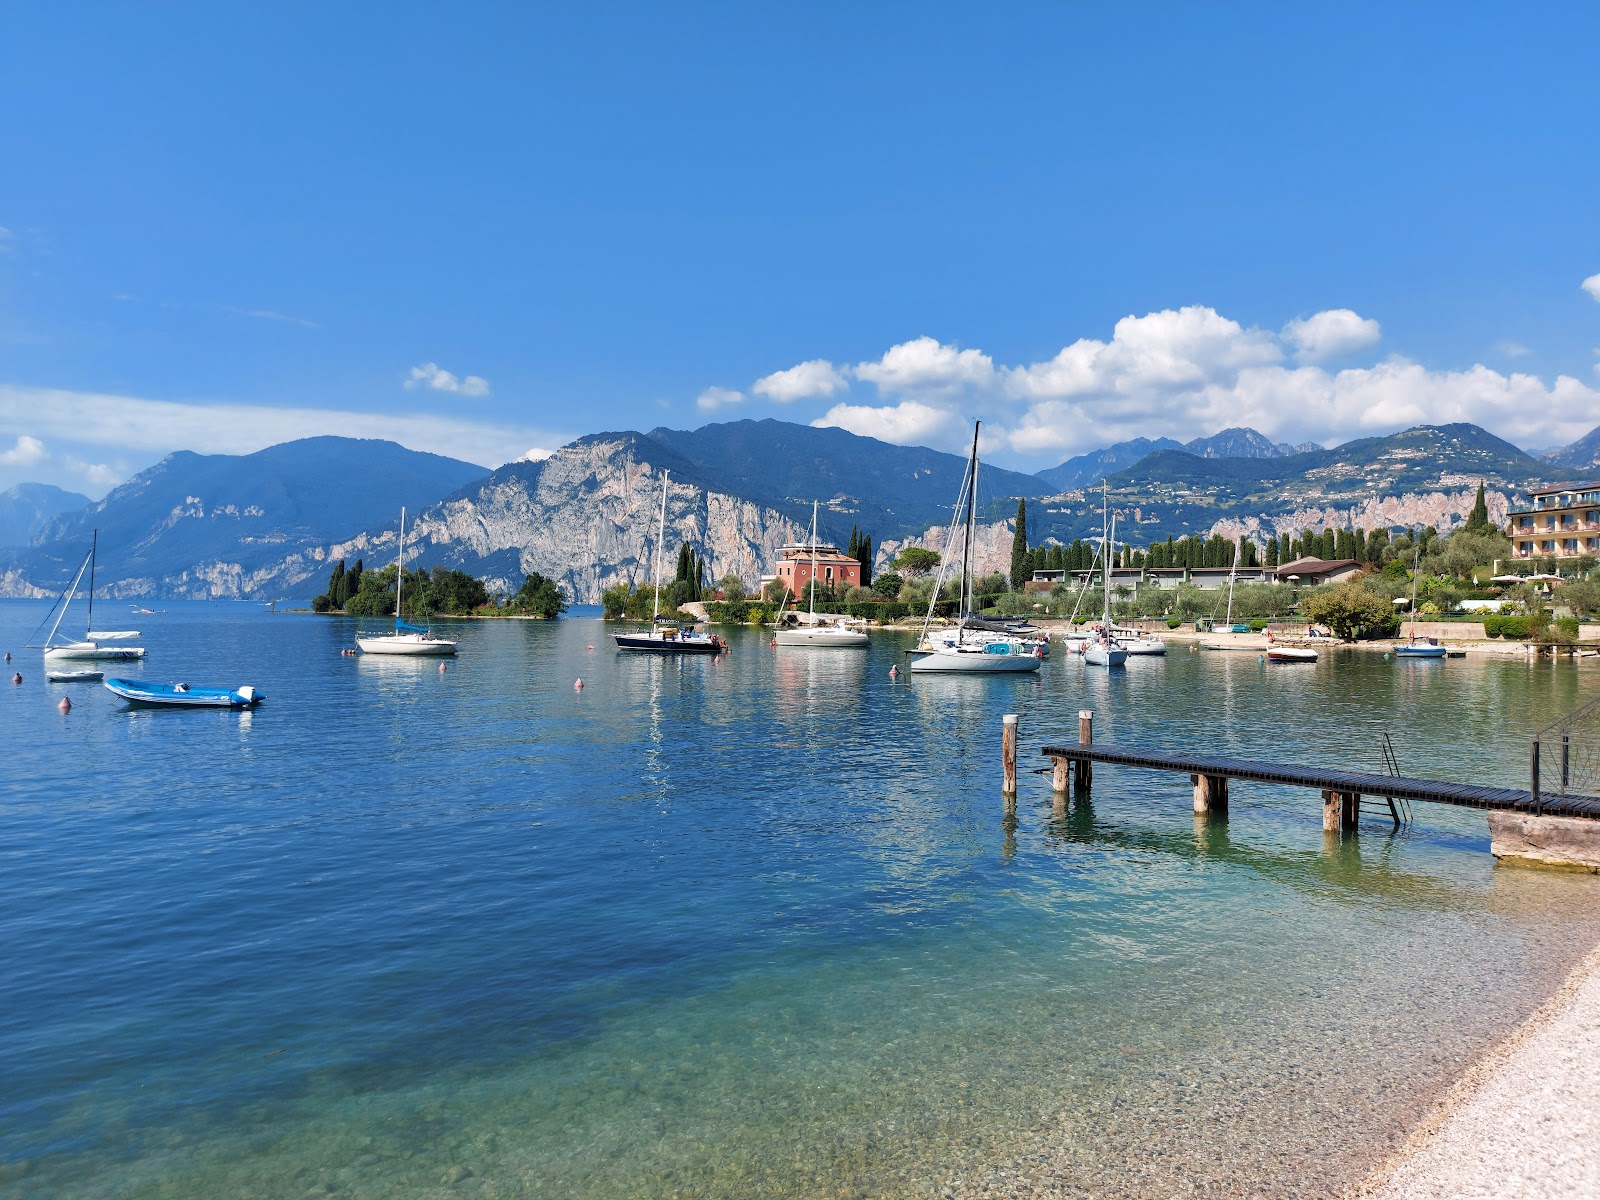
x: 751, y: 926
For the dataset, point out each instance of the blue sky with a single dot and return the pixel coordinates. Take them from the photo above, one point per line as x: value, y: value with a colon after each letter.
x: 486, y: 229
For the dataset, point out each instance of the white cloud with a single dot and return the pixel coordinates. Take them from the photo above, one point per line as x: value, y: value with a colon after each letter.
x: 1592, y: 285
x: 1332, y: 333
x: 27, y: 452
x: 130, y: 425
x: 267, y: 314
x: 715, y: 397
x: 432, y: 375
x: 905, y: 424
x: 536, y: 454
x: 818, y: 377
x: 1163, y: 350
x: 1512, y: 349
x: 926, y: 367
x: 99, y: 475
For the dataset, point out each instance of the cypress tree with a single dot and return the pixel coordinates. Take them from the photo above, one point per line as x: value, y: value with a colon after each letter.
x: 336, y: 585
x: 1019, y: 548
x: 1478, y: 518
x: 352, y: 581
x: 1272, y: 551
x: 864, y: 557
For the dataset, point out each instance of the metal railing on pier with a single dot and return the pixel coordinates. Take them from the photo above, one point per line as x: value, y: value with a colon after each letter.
x: 1564, y: 758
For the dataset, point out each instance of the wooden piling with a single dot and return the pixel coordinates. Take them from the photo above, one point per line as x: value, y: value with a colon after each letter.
x: 1008, y: 751
x: 1083, y: 769
x: 1341, y: 811
x: 1210, y: 794
x: 1058, y: 777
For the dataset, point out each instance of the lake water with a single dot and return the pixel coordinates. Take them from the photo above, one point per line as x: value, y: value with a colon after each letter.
x: 749, y: 926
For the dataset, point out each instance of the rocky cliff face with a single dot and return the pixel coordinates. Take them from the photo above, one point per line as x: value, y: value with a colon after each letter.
x: 585, y: 517
x: 1443, y: 510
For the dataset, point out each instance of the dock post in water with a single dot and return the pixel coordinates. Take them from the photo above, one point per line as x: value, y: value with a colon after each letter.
x: 1008, y: 751
x: 1083, y: 769
x: 1210, y: 794
x: 1341, y: 811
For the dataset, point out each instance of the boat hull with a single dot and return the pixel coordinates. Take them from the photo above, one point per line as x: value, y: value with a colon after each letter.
x: 411, y: 645
x: 1291, y: 655
x: 974, y: 662
x: 91, y: 651
x: 1103, y: 656
x: 74, y: 676
x: 1419, y: 652
x: 181, y: 695
x: 654, y: 643
x: 821, y: 635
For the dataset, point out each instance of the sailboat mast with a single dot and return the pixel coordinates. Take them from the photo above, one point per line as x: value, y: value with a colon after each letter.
x: 71, y: 591
x: 400, y: 571
x: 966, y: 550
x: 661, y: 540
x: 94, y: 547
x: 811, y: 606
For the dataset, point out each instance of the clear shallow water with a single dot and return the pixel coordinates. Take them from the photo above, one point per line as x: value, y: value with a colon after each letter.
x: 749, y: 926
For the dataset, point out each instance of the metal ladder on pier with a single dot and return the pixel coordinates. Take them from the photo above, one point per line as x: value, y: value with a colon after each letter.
x: 1399, y: 809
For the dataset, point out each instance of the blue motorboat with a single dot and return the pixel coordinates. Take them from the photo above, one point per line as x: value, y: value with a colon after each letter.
x: 182, y: 695
x: 1424, y: 648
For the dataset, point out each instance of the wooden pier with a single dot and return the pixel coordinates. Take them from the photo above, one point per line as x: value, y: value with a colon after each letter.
x: 1211, y: 775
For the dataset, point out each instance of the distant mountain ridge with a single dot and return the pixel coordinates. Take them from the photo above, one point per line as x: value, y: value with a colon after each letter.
x: 1237, y: 442
x: 269, y: 525
x: 26, y: 509
x: 207, y: 525
x: 1582, y: 455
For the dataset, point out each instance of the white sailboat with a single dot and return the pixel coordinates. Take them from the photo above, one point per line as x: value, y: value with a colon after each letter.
x: 815, y: 633
x: 93, y: 645
x: 672, y: 636
x: 966, y: 653
x: 1103, y: 650
x: 406, y: 639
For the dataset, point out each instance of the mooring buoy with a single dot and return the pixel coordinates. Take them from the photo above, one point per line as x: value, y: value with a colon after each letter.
x: 578, y: 686
x: 65, y: 705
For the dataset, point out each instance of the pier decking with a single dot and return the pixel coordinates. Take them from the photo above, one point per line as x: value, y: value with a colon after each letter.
x: 1208, y: 771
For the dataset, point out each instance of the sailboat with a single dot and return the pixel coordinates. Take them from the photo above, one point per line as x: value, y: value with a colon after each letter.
x: 406, y: 639
x: 831, y: 633
x: 93, y: 645
x: 966, y: 652
x: 1103, y: 650
x: 668, y: 635
x: 1427, y: 647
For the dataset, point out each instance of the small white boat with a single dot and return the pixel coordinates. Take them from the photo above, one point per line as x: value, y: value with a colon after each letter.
x: 1103, y: 649
x: 821, y: 635
x: 972, y: 658
x: 74, y: 676
x: 406, y: 639
x: 812, y: 632
x: 969, y: 653
x: 93, y: 644
x: 181, y: 695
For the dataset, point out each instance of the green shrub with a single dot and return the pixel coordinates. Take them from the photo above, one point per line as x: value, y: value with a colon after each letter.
x: 1515, y: 627
x: 1174, y: 622
x: 1566, y: 629
x: 1257, y: 624
x: 1493, y: 625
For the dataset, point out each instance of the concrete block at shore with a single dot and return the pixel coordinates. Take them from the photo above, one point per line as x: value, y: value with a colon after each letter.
x: 1562, y: 843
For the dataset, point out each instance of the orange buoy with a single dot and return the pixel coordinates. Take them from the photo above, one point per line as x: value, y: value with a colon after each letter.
x: 65, y: 705
x: 578, y: 686
x: 441, y: 668
x: 588, y: 647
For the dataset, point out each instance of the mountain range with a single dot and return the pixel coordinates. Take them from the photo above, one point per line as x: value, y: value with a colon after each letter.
x: 268, y: 525
x: 27, y: 508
